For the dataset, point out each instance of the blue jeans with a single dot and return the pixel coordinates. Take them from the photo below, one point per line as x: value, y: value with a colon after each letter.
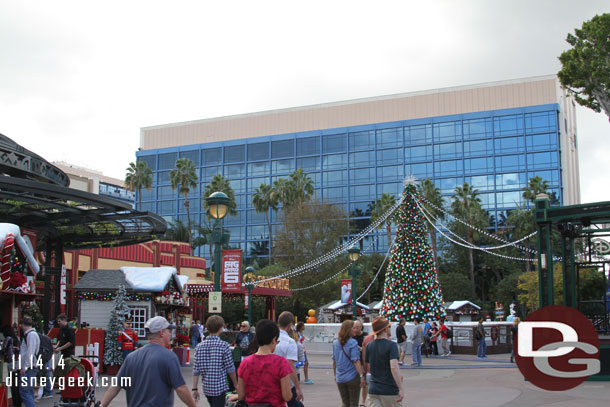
x: 194, y: 342
x: 416, y: 350
x: 482, y: 348
x: 48, y: 390
x: 27, y: 392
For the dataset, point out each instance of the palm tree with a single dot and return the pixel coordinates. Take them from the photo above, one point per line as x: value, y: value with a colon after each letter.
x: 535, y: 186
x: 432, y: 194
x: 184, y: 174
x: 178, y: 231
x: 467, y: 206
x: 284, y: 189
x: 138, y: 176
x: 302, y: 185
x: 523, y: 222
x: 220, y: 184
x: 265, y: 198
x: 380, y: 207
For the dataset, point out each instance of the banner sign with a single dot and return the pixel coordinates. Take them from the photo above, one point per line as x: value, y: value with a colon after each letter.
x: 231, y: 271
x: 346, y: 291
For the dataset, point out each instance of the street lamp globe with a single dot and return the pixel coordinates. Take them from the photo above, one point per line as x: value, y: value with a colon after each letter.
x: 218, y: 204
x: 353, y: 253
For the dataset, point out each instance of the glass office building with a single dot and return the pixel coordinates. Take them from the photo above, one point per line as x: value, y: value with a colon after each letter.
x: 497, y: 151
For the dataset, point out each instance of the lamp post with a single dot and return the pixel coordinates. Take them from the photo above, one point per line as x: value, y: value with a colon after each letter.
x: 354, y: 254
x: 249, y: 280
x: 218, y: 205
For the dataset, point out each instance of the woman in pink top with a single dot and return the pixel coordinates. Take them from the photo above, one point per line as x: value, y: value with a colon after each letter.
x: 264, y: 378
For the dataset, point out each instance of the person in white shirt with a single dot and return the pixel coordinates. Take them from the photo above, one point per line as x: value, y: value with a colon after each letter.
x: 28, y: 355
x: 287, y: 347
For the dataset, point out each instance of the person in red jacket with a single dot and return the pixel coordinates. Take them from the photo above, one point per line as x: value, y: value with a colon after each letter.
x: 128, y: 339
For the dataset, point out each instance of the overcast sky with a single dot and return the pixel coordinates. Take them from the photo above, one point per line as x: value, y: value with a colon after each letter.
x: 78, y: 79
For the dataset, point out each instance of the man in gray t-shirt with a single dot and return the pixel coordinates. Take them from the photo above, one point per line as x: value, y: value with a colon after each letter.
x: 154, y: 371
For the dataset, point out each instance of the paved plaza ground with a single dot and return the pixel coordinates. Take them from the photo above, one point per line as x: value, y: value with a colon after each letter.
x: 460, y: 380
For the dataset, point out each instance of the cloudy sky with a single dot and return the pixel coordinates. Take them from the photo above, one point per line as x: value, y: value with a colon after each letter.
x: 78, y: 79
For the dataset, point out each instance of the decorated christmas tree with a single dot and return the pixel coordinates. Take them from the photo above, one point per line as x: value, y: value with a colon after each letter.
x: 411, y: 282
x: 112, y: 352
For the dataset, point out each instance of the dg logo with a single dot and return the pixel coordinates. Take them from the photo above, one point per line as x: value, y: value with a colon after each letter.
x: 557, y: 348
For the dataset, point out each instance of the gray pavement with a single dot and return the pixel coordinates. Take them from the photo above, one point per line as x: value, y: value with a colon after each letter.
x: 459, y: 380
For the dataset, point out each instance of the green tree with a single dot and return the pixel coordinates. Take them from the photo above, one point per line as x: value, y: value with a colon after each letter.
x: 295, y: 189
x: 138, y: 176
x: 178, y: 231
x: 432, y: 194
x: 220, y: 184
x: 120, y: 311
x: 522, y: 222
x: 456, y: 287
x: 264, y: 199
x: 380, y: 207
x: 585, y: 71
x: 185, y: 175
x: 535, y: 187
x: 466, y: 205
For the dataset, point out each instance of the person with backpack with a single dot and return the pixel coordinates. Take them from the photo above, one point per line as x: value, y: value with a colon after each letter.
x: 10, y: 353
x: 445, y: 334
x: 30, y: 346
x: 480, y: 336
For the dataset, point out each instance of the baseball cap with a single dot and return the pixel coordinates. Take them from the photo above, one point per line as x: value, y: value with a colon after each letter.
x: 157, y: 324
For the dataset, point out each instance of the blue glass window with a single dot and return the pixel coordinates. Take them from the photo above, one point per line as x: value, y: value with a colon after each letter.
x: 334, y: 143
x: 309, y: 163
x: 418, y: 134
x: 211, y: 156
x: 192, y: 155
x: 447, y: 185
x: 260, y: 168
x: 481, y: 182
x: 488, y: 201
x: 150, y: 160
x: 335, y: 161
x: 362, y: 192
x: 449, y: 150
x: 478, y: 147
x: 444, y: 168
x: 388, y: 173
x: 450, y: 131
x: 308, y: 146
x: 420, y: 153
x: 167, y: 207
x: 545, y: 141
x: 508, y: 125
x: 421, y: 171
x: 256, y: 217
x: 237, y: 219
x: 509, y: 145
x: 542, y: 160
x: 208, y: 173
x: 282, y: 149
x: 236, y: 233
x: 259, y: 232
x: 258, y: 151
x: 362, y: 140
x: 254, y: 183
x: 387, y: 138
x: 361, y: 209
x: 541, y: 122
x: 393, y: 188
x: 510, y: 163
x: 234, y: 154
x: 167, y: 161
x: 235, y: 171
x: 147, y: 194
x: 511, y: 181
x: 163, y: 177
x: 238, y: 185
x: 477, y: 128
x: 362, y: 159
x: 393, y: 156
x: 335, y: 178
x: 282, y: 166
x: 240, y: 200
x: 552, y: 176
x: 148, y: 207
x: 335, y: 194
x: 362, y: 176
x: 509, y: 199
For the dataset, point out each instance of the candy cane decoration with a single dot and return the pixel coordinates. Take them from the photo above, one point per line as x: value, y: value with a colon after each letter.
x: 5, y: 270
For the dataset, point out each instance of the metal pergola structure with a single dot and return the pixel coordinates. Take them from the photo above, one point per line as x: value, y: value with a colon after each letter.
x: 34, y: 194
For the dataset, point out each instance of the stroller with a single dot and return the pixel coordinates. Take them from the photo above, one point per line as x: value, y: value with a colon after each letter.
x: 76, y: 396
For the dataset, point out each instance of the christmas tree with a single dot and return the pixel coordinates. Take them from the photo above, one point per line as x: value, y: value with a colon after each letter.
x: 411, y: 284
x: 112, y: 352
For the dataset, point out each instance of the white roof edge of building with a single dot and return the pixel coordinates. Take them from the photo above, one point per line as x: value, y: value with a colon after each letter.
x: 353, y: 101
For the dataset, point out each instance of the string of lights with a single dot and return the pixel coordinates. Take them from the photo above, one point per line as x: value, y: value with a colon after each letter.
x: 378, y: 271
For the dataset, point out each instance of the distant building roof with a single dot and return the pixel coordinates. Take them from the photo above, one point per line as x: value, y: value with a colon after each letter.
x: 147, y: 279
x: 459, y: 304
x: 338, y: 304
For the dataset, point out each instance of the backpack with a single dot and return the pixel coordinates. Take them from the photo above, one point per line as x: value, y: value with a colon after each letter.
x: 45, y: 351
x: 477, y: 335
x: 10, y: 348
x: 449, y: 333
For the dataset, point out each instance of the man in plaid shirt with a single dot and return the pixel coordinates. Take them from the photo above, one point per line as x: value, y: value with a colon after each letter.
x: 213, y: 361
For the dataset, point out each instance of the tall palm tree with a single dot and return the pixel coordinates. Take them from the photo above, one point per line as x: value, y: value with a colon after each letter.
x: 381, y: 206
x: 138, y: 176
x: 265, y: 198
x: 535, y: 186
x: 284, y: 189
x: 184, y: 175
x: 302, y: 185
x: 220, y: 184
x: 432, y: 194
x: 467, y: 206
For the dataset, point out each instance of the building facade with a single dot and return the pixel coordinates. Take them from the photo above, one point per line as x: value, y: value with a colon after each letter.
x: 493, y: 136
